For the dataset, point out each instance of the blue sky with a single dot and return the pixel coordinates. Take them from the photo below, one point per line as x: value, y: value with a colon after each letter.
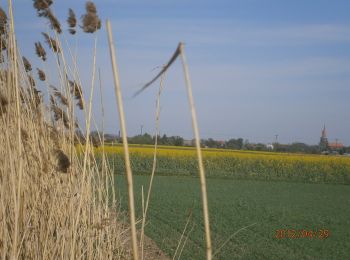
x: 258, y: 68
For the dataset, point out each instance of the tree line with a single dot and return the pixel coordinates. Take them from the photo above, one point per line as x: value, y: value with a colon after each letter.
x: 234, y: 144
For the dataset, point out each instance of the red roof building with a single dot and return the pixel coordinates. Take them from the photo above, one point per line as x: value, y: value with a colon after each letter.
x: 336, y: 146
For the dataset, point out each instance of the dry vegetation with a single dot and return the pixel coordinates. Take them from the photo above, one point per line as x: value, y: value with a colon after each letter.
x: 53, y: 204
x: 56, y: 203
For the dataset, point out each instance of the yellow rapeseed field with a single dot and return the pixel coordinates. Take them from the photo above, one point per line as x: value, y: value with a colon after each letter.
x: 236, y: 164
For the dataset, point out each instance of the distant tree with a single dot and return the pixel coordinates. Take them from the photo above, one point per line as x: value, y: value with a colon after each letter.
x: 178, y: 141
x: 236, y: 144
x: 141, y: 139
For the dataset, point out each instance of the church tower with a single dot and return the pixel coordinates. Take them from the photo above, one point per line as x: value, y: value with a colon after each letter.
x: 323, y: 140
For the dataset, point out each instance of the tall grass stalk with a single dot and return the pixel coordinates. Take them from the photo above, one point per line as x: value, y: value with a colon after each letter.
x: 125, y: 141
x: 154, y: 165
x: 199, y: 153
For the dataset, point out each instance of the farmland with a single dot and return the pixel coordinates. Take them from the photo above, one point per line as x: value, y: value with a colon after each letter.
x: 235, y: 204
x: 259, y: 192
x: 235, y: 164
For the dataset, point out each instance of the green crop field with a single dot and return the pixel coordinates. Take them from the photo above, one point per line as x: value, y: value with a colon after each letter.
x: 234, y: 204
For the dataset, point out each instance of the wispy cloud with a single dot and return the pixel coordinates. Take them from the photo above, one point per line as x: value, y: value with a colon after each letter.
x: 218, y: 32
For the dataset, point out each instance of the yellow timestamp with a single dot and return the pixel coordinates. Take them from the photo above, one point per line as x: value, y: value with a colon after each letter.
x: 302, y: 233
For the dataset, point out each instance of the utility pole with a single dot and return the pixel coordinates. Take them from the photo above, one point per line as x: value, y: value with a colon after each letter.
x: 336, y: 144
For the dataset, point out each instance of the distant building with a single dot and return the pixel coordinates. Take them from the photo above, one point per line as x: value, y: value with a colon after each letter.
x: 189, y: 142
x: 221, y: 143
x: 327, y: 147
x: 270, y: 146
x: 324, y: 140
x: 336, y: 146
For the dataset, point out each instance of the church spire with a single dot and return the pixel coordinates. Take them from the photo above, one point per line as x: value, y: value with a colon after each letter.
x: 324, y: 140
x: 324, y: 132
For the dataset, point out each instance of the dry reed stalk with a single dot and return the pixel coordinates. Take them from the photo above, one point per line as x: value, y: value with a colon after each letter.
x: 125, y: 141
x: 199, y: 153
x: 87, y: 152
x: 16, y: 192
x: 183, y: 234
x: 154, y: 165
x: 230, y: 237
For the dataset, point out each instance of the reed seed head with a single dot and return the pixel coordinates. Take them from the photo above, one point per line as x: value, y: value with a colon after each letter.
x: 94, y: 140
x: 63, y: 162
x: 91, y: 21
x: 72, y: 21
x: 3, y: 104
x: 40, y: 51
x: 59, y: 95
x: 54, y: 23
x: 3, y: 21
x: 52, y: 43
x: 90, y: 7
x: 80, y: 104
x: 35, y: 96
x: 58, y: 113
x: 27, y: 65
x: 41, y: 74
x: 40, y: 5
x: 52, y: 101
x: 77, y: 91
x: 31, y: 81
x: 2, y: 44
x: 24, y: 135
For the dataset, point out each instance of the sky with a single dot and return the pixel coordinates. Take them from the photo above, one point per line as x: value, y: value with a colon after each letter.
x: 258, y: 68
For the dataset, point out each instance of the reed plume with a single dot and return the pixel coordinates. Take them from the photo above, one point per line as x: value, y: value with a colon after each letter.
x: 2, y: 44
x: 59, y: 95
x: 24, y: 135
x: 3, y: 104
x: 35, y: 96
x: 54, y: 23
x: 41, y: 74
x: 63, y: 162
x: 95, y: 141
x: 40, y: 51
x: 41, y: 5
x: 72, y: 21
x: 91, y: 21
x: 3, y: 21
x: 27, y: 65
x: 51, y: 42
x: 58, y: 112
x: 77, y: 92
x: 31, y: 81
